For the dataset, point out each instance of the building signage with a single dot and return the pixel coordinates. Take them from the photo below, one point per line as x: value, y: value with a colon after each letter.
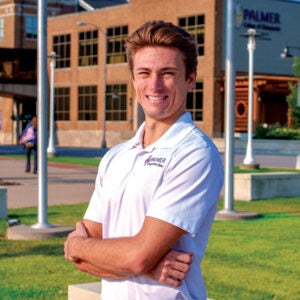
x: 257, y: 19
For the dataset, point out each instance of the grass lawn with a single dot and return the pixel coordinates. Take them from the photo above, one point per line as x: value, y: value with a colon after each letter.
x: 255, y: 259
x: 85, y: 161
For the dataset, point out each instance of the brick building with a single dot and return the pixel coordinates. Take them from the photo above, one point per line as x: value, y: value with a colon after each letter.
x: 93, y: 88
x: 80, y: 73
x: 18, y: 62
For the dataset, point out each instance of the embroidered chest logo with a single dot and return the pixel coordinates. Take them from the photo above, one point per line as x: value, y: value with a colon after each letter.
x: 155, y: 161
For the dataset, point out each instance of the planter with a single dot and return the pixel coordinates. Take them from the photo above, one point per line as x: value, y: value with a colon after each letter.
x: 253, y: 186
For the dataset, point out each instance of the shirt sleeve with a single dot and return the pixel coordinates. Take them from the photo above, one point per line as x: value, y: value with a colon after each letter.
x: 189, y: 190
x: 93, y: 212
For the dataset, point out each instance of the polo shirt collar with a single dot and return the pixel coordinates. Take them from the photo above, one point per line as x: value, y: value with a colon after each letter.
x: 176, y: 133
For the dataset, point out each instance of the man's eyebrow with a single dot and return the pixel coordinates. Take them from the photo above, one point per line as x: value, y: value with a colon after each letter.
x: 142, y: 69
x: 169, y: 69
x: 163, y: 69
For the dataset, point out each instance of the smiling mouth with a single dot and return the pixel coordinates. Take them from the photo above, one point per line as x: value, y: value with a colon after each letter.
x: 156, y: 98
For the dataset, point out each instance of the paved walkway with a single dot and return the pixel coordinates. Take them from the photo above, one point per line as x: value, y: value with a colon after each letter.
x: 66, y: 184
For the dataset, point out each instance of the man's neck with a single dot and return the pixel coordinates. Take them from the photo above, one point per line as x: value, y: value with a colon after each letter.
x: 153, y: 131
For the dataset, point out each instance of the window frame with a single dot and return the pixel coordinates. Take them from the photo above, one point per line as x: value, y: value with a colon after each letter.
x: 62, y: 99
x: 31, y: 27
x: 194, y: 99
x: 87, y: 103
x: 195, y: 26
x: 115, y: 44
x: 62, y: 47
x: 88, y: 48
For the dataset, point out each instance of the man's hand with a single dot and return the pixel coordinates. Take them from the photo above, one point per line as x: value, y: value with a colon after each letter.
x: 79, y: 233
x: 172, y: 268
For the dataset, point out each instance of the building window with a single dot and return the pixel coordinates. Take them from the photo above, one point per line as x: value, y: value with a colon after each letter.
x: 31, y: 27
x: 116, y: 37
x: 88, y: 48
x: 62, y: 47
x: 116, y: 103
x: 195, y: 26
x: 194, y: 102
x: 87, y: 103
x: 62, y: 103
x: 1, y: 28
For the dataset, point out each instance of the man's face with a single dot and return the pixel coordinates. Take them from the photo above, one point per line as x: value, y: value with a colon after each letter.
x: 160, y: 82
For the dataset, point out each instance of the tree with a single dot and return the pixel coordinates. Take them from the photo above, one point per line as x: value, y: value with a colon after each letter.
x: 294, y: 110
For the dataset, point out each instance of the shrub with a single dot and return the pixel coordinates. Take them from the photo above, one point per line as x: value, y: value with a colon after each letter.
x: 277, y: 132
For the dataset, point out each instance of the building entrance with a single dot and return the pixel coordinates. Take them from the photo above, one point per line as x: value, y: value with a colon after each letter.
x: 274, y: 109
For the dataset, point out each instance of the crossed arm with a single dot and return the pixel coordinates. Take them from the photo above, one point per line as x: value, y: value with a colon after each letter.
x: 148, y: 252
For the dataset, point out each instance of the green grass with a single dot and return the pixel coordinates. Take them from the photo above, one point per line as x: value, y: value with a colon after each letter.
x: 37, y: 269
x: 254, y: 259
x: 84, y: 161
x: 237, y: 169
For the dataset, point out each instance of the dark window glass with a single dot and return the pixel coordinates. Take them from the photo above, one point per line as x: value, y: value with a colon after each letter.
x: 116, y: 102
x: 194, y: 102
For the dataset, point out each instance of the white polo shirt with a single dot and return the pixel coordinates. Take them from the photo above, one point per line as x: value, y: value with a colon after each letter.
x: 178, y: 180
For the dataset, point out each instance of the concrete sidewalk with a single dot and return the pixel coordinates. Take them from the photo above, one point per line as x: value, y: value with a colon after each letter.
x: 67, y: 184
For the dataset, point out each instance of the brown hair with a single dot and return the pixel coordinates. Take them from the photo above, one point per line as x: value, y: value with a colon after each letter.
x: 160, y: 33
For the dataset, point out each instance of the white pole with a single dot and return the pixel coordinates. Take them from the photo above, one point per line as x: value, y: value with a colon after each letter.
x: 229, y: 109
x: 42, y: 116
x: 51, y: 144
x: 249, y: 159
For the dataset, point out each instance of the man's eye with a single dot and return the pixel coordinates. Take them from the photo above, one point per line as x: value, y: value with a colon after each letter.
x: 142, y: 74
x: 167, y: 74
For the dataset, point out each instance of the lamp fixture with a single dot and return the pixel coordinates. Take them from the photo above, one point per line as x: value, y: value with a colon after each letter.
x: 286, y: 52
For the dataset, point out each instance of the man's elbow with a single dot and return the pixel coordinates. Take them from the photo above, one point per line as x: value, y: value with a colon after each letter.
x: 138, y: 264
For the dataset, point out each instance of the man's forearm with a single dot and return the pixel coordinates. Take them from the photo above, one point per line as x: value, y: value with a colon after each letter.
x: 96, y: 271
x: 108, y: 256
x: 171, y: 270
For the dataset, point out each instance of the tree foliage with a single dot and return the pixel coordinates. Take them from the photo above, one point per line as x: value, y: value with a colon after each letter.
x: 294, y: 110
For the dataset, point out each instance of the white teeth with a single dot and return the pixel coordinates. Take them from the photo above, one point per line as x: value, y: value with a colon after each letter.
x: 155, y: 98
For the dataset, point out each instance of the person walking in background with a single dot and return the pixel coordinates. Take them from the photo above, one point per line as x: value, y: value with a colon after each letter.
x: 146, y: 228
x: 29, y: 141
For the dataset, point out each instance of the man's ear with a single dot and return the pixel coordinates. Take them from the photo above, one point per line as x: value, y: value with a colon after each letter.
x: 191, y: 80
x: 133, y: 81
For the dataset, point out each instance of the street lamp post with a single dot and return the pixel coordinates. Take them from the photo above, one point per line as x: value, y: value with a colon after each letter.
x: 103, y: 143
x: 249, y: 161
x: 51, y: 151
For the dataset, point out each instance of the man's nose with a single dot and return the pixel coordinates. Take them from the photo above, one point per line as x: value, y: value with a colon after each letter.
x: 156, y: 82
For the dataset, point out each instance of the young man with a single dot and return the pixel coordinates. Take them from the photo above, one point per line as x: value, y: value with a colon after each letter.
x: 147, y: 225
